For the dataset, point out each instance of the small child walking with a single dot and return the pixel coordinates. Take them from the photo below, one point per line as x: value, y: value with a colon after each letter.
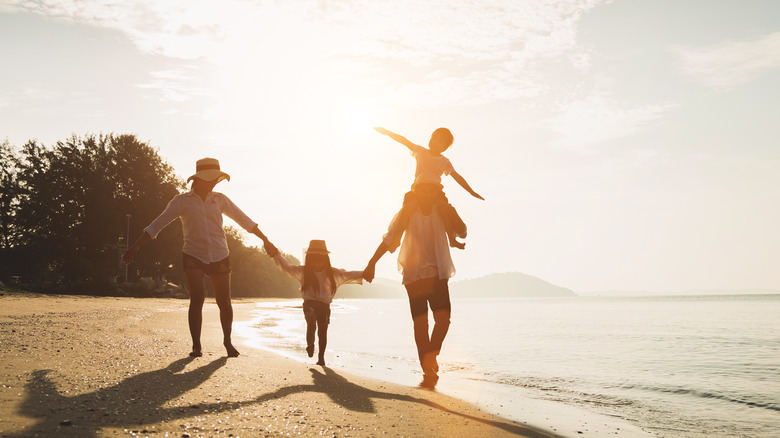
x: 431, y: 165
x: 319, y: 282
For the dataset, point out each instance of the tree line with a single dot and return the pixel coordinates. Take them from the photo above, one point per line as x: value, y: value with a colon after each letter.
x: 66, y: 212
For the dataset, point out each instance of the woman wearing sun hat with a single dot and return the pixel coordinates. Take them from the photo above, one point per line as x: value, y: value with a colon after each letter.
x: 205, y: 251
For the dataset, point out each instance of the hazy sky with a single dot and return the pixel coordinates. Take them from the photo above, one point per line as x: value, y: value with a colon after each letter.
x: 619, y: 145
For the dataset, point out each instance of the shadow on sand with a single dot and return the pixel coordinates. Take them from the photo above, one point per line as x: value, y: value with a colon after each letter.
x: 138, y: 401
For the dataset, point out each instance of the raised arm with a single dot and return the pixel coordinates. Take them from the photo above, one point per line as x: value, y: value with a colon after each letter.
x: 460, y: 180
x: 399, y: 138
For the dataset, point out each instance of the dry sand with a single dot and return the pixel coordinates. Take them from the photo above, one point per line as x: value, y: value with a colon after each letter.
x: 98, y: 366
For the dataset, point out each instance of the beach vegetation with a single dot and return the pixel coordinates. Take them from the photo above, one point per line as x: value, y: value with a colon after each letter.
x: 66, y: 212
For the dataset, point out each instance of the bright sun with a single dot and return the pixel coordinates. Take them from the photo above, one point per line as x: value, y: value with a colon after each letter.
x: 353, y: 121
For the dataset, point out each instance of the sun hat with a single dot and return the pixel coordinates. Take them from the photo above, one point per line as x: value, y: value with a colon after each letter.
x: 317, y: 247
x: 207, y: 169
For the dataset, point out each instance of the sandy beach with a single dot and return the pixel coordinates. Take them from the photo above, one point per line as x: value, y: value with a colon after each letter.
x: 102, y: 366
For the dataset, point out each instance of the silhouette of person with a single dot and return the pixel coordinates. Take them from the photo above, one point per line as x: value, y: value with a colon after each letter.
x: 205, y: 251
x: 431, y: 165
x: 319, y: 282
x: 426, y: 265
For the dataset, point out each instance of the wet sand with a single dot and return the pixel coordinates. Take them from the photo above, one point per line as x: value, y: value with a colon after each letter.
x: 99, y: 366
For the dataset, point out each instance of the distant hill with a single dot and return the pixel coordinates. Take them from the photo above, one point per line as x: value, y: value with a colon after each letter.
x: 506, y: 285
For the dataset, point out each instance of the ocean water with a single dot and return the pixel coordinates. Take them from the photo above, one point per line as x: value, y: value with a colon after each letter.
x: 695, y: 366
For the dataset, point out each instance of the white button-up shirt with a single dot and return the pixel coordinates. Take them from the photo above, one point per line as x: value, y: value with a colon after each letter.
x: 201, y: 221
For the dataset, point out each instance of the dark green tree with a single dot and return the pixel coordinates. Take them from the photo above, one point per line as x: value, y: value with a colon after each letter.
x: 73, y: 201
x: 9, y: 199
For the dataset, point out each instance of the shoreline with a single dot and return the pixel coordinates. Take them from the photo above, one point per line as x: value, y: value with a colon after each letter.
x: 505, y: 401
x: 78, y: 365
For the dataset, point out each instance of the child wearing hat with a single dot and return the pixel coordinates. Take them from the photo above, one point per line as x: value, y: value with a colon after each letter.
x: 205, y: 252
x: 319, y: 282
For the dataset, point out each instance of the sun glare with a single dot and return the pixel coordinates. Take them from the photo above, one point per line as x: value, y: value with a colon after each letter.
x: 353, y: 122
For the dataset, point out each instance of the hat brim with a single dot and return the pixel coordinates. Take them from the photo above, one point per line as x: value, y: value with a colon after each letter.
x: 210, y: 175
x: 317, y: 252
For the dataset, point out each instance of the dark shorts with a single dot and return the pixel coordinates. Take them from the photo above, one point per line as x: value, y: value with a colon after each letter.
x: 320, y: 310
x: 220, y: 267
x: 430, y: 291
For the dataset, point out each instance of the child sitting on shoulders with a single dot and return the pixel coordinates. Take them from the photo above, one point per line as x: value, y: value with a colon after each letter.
x: 431, y: 165
x: 319, y: 282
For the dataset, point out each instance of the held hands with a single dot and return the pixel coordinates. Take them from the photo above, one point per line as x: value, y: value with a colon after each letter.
x: 368, y: 273
x: 270, y: 249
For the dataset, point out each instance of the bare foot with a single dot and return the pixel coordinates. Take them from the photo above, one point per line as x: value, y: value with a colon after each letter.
x: 196, y: 353
x: 310, y: 350
x: 231, y: 350
x: 430, y: 365
x: 429, y: 381
x: 321, y: 361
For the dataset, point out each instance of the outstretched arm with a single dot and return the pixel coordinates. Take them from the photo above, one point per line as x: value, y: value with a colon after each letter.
x: 256, y: 231
x: 269, y: 247
x: 399, y: 138
x: 368, y: 273
x: 460, y: 180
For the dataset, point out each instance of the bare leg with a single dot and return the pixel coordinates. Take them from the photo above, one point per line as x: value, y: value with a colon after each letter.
x: 441, y: 325
x: 418, y: 304
x: 221, y: 283
x: 311, y: 327
x: 322, y: 333
x: 442, y: 310
x: 195, y: 312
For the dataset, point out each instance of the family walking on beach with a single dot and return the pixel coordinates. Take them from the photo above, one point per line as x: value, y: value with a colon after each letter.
x: 425, y: 228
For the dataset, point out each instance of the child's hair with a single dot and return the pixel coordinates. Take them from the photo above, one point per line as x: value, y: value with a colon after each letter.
x: 444, y: 135
x: 310, y: 279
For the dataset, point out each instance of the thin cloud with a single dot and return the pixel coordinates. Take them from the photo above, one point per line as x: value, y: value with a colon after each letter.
x: 731, y: 63
x: 583, y: 124
x: 174, y: 85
